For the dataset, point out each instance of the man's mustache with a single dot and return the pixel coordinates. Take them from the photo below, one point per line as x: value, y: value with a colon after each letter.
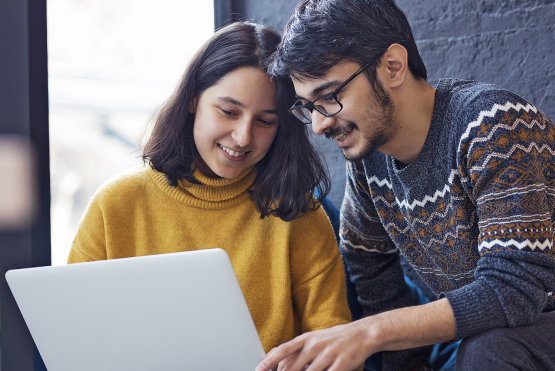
x: 336, y: 131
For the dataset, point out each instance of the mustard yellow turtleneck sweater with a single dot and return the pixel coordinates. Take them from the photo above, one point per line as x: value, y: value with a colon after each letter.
x: 291, y: 273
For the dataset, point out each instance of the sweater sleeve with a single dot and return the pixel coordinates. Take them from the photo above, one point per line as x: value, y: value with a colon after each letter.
x: 506, y: 159
x: 90, y: 242
x: 373, y: 263
x: 317, y: 274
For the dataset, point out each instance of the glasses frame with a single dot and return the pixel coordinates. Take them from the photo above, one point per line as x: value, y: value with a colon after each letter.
x: 310, y: 106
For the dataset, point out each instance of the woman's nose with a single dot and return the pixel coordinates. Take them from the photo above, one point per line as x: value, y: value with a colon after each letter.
x: 242, y: 134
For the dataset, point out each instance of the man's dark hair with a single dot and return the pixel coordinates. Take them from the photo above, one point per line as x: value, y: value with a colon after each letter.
x: 291, y: 170
x: 320, y: 33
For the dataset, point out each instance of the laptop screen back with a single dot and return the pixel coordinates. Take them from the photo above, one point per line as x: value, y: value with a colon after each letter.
x: 179, y: 311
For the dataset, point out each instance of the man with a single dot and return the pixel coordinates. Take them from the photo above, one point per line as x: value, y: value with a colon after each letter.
x: 460, y: 179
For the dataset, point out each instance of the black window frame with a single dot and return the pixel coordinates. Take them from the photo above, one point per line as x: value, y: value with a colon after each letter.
x: 24, y: 111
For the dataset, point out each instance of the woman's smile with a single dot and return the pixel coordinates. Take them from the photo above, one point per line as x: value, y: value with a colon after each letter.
x: 233, y: 155
x: 235, y: 122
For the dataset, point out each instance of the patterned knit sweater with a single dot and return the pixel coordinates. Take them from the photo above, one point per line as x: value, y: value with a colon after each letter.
x: 291, y: 273
x: 473, y: 213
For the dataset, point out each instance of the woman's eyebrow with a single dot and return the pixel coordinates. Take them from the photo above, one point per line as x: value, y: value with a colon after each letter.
x: 231, y: 101
x: 239, y: 104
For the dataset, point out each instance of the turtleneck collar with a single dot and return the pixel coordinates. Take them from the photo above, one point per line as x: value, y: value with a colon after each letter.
x: 211, y: 193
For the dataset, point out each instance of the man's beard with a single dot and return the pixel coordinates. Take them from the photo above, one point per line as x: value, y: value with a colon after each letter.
x: 382, y: 116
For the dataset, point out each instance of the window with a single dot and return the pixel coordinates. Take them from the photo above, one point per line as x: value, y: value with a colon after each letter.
x: 111, y: 64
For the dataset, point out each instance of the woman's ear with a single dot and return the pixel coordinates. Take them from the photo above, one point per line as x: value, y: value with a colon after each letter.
x: 397, y: 64
x: 193, y: 105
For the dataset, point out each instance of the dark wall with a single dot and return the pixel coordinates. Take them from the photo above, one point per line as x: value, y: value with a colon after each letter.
x: 509, y: 43
x: 24, y: 112
x: 506, y: 42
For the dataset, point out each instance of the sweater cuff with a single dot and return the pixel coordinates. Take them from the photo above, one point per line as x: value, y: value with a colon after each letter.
x: 476, y: 309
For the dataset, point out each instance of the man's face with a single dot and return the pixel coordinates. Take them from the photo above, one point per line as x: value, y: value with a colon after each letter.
x: 365, y: 123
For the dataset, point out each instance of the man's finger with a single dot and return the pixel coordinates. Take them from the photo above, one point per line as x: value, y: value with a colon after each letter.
x: 286, y: 361
x: 273, y: 357
x: 301, y: 362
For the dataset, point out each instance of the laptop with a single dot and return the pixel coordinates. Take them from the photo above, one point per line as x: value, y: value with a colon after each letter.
x: 178, y: 311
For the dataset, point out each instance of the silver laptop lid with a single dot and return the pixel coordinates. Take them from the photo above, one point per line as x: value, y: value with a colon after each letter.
x: 179, y: 311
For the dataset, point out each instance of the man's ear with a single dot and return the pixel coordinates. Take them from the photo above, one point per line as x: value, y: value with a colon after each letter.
x: 397, y: 65
x: 193, y: 105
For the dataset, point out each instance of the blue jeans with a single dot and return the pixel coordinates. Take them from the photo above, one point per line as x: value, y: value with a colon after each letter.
x: 525, y: 348
x: 443, y: 355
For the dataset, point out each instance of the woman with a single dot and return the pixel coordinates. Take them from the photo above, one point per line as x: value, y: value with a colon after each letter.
x: 228, y: 167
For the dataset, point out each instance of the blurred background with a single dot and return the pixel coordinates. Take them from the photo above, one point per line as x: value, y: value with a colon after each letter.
x: 111, y: 63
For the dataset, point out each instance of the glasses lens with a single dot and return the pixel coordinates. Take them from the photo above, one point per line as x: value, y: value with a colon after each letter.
x: 302, y: 113
x: 327, y: 105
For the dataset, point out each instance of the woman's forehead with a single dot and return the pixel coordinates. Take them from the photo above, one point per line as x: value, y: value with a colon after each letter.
x: 246, y: 87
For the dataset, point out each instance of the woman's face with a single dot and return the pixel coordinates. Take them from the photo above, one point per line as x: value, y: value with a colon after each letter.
x: 235, y: 122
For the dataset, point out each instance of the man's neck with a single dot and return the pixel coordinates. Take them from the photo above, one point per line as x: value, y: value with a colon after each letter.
x: 414, y: 105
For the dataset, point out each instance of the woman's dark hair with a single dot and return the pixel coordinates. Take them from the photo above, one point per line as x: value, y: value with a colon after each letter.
x: 291, y: 170
x: 321, y: 33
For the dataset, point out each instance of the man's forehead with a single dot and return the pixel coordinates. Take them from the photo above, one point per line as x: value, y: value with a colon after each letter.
x: 312, y: 87
x: 304, y: 87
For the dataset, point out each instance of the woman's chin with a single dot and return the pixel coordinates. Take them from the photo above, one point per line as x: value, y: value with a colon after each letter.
x: 228, y: 173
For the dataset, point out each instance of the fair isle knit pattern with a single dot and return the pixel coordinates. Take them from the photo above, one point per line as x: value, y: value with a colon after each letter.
x: 473, y: 214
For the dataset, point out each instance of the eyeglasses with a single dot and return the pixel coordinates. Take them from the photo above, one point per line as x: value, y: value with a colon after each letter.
x: 328, y: 104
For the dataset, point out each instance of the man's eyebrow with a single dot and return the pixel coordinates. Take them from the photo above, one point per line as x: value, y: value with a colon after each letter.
x: 239, y: 104
x: 316, y: 91
x: 325, y: 86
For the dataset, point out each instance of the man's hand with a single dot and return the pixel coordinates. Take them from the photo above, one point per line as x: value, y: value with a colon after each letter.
x: 346, y: 347
x: 287, y: 361
x: 337, y: 348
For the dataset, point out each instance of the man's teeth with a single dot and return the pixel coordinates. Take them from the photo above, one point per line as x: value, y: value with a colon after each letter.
x: 232, y: 152
x: 342, y: 136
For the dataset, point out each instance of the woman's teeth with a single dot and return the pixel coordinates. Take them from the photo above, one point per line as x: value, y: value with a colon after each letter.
x: 232, y: 152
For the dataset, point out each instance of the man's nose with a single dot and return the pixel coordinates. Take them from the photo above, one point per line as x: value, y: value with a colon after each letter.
x: 321, y: 123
